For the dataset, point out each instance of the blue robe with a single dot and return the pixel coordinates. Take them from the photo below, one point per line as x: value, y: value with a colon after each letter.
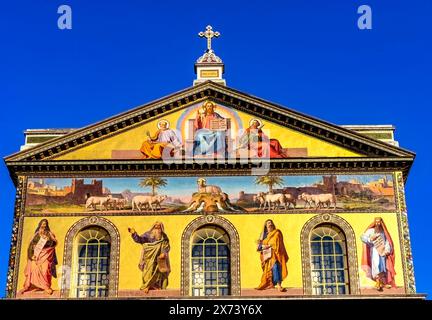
x: 206, y: 141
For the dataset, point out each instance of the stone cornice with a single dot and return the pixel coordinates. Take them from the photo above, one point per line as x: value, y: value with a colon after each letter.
x: 203, y: 167
x: 375, y: 154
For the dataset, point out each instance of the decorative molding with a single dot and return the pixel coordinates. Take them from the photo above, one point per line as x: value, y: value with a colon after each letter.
x: 304, y: 123
x: 128, y: 119
x: 404, y: 236
x: 323, y: 217
x: 129, y: 213
x: 328, y: 218
x: 114, y: 253
x: 16, y: 238
x: 40, y: 161
x: 188, y: 168
x: 197, y: 170
x: 234, y: 251
x: 221, y: 94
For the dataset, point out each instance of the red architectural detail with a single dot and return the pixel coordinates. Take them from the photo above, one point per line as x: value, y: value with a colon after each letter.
x: 79, y: 190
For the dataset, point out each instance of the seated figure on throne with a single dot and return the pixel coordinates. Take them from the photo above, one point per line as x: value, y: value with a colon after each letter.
x: 258, y: 144
x: 153, y: 147
x: 208, y: 138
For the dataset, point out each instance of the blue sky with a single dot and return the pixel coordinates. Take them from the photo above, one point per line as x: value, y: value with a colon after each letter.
x: 307, y: 55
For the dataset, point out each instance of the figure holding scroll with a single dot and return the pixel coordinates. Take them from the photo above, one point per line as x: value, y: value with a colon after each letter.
x: 378, y: 255
x: 154, y: 261
x: 273, y: 257
x: 42, y: 259
x: 210, y: 129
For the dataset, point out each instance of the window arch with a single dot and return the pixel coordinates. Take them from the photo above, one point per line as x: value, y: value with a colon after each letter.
x: 91, y: 232
x: 91, y: 263
x: 329, y: 265
x: 328, y: 228
x: 210, y: 261
x: 219, y: 229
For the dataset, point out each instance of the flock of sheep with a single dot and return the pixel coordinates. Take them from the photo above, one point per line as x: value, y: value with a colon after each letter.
x: 274, y: 201
x: 139, y: 202
x: 266, y: 201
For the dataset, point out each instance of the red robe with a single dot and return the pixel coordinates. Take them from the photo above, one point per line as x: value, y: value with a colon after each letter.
x: 39, y: 272
x: 390, y: 259
x: 272, y: 145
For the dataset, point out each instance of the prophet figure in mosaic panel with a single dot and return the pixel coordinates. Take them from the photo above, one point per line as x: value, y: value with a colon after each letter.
x: 378, y: 257
x: 154, y: 261
x: 41, y: 259
x: 273, y: 256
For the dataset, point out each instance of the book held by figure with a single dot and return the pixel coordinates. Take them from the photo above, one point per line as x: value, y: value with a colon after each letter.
x: 266, y: 254
x: 218, y: 124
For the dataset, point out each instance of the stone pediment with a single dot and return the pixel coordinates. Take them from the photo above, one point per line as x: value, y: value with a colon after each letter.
x: 289, y: 136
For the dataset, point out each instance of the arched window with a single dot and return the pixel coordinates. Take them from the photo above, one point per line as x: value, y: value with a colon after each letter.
x: 92, y: 264
x: 329, y: 266
x: 210, y: 261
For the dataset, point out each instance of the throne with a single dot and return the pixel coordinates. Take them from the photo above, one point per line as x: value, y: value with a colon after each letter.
x: 217, y: 125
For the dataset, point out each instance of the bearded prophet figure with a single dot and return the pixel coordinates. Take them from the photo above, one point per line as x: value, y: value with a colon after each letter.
x: 256, y: 141
x: 273, y: 257
x: 41, y: 259
x: 154, y: 261
x: 206, y: 140
x: 153, y: 147
x: 378, y: 255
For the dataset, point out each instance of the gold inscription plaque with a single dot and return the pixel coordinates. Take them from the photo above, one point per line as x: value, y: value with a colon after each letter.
x: 209, y: 74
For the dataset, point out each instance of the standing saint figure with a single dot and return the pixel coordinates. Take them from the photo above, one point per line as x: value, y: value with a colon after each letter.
x: 41, y: 259
x: 208, y: 141
x: 273, y: 257
x: 153, y: 147
x: 254, y: 139
x: 378, y: 255
x: 154, y: 262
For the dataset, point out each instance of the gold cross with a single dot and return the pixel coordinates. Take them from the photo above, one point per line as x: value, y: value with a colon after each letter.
x: 209, y: 34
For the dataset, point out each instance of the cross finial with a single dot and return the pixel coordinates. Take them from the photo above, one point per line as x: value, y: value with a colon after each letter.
x: 209, y: 34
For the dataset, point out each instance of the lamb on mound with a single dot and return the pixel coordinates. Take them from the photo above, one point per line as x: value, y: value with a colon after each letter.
x: 210, y: 198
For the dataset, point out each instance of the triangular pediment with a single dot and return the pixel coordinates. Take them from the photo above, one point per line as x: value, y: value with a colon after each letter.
x: 290, y: 133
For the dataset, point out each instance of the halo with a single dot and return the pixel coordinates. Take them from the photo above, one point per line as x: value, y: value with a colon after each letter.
x: 161, y: 121
x: 255, y: 119
x: 209, y: 102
